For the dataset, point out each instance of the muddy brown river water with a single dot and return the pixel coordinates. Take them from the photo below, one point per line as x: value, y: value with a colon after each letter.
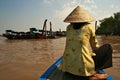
x: 28, y: 59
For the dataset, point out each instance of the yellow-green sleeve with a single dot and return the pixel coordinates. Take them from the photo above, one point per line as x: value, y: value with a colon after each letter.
x: 93, y: 41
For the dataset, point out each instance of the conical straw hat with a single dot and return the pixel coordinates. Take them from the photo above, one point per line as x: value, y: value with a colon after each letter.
x: 79, y: 15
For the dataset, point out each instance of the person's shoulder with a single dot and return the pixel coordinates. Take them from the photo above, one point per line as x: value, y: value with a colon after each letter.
x: 69, y: 26
x: 89, y: 25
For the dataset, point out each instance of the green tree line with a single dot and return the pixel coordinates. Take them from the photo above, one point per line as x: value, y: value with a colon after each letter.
x: 110, y: 25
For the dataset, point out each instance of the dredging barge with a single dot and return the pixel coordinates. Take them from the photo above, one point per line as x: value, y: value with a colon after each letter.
x: 34, y: 33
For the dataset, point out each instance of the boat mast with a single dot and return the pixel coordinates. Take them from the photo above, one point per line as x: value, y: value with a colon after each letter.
x: 50, y: 28
x: 44, y: 32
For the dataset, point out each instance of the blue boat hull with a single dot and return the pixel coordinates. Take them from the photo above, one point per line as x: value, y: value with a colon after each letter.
x: 54, y: 73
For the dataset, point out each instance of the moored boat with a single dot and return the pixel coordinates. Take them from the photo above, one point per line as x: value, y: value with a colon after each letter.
x: 54, y: 73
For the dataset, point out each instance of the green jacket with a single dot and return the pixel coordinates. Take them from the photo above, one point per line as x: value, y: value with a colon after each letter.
x: 77, y: 58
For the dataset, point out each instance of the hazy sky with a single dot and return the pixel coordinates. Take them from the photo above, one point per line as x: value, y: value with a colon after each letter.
x: 20, y: 15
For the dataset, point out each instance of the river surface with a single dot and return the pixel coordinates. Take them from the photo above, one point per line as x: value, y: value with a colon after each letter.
x: 28, y: 59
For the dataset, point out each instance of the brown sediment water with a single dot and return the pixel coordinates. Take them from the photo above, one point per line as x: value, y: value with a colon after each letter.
x: 28, y: 59
x: 115, y: 43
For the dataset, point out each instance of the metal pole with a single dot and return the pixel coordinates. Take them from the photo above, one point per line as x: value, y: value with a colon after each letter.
x: 95, y: 25
x: 50, y: 28
x: 44, y: 26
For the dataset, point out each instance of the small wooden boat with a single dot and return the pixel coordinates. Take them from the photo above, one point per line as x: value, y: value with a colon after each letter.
x: 54, y: 73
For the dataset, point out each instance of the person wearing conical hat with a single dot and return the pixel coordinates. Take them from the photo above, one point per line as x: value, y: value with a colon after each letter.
x: 77, y: 58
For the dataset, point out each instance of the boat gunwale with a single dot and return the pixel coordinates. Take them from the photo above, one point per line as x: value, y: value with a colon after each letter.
x: 54, y: 66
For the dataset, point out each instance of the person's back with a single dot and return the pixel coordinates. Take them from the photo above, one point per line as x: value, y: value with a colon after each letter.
x: 77, y: 58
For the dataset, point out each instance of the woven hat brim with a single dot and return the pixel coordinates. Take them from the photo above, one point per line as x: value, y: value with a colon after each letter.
x: 79, y: 15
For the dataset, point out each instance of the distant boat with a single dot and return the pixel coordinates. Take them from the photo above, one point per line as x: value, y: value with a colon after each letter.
x: 54, y: 73
x: 34, y: 33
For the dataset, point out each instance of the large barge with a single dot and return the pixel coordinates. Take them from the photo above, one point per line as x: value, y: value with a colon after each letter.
x: 34, y: 33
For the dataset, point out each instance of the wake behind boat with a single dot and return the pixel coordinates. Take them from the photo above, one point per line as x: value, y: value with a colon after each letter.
x: 54, y: 73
